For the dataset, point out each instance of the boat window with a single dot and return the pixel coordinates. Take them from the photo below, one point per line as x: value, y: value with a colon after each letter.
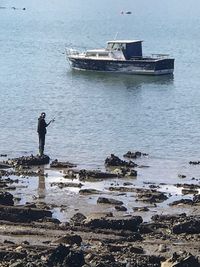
x: 116, y: 46
x: 89, y: 54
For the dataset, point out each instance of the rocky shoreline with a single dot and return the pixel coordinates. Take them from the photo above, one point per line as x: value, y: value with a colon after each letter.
x: 100, y: 229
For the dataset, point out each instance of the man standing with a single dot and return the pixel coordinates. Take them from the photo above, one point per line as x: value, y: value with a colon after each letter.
x: 41, y: 129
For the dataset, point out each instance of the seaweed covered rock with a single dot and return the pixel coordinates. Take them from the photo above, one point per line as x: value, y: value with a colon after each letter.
x: 125, y: 172
x: 111, y: 201
x: 116, y: 161
x: 78, y: 218
x: 95, y: 175
x: 59, y: 164
x: 134, y: 155
x: 151, y: 196
x: 29, y: 161
x: 131, y: 224
x: 22, y: 214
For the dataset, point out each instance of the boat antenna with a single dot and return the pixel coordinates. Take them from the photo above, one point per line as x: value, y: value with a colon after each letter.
x: 116, y: 36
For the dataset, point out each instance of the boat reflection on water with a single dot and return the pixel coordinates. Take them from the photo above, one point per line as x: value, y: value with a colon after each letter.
x: 100, y: 79
x: 41, y: 183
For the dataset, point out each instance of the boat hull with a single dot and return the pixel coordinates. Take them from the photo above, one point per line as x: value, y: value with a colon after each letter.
x: 147, y: 67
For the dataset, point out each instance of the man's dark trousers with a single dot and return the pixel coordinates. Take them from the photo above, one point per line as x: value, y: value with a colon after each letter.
x: 41, y: 143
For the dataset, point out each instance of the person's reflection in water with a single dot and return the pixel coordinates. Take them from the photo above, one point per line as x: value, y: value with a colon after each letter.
x: 41, y: 182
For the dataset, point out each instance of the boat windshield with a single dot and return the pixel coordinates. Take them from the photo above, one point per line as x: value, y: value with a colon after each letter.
x: 116, y: 46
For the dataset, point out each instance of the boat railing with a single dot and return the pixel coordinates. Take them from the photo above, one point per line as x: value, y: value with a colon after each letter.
x: 160, y: 55
x: 72, y: 52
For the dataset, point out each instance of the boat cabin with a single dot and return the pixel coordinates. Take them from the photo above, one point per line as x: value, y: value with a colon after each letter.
x: 130, y: 49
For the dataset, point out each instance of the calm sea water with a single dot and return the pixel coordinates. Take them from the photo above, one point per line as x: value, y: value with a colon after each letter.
x: 98, y: 114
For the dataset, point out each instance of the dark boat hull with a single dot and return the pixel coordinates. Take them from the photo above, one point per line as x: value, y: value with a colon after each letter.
x: 141, y: 66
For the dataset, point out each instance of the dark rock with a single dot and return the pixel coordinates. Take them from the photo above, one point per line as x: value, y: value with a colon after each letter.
x: 87, y: 175
x: 115, y: 161
x: 146, y: 228
x: 127, y: 183
x: 131, y: 172
x: 63, y: 256
x: 152, y: 196
x: 8, y: 242
x: 111, y: 201
x: 181, y: 260
x: 137, y: 250
x: 78, y: 218
x: 131, y: 223
x: 182, y: 201
x: 194, y: 162
x: 89, y: 191
x: 134, y: 155
x: 169, y: 218
x: 59, y: 164
x: 196, y: 199
x: 21, y: 214
x: 29, y: 161
x: 141, y: 209
x: 30, y: 205
x: 189, y: 191
x: 189, y: 227
x: 6, y: 199
x: 144, y: 261
x: 120, y: 208
x: 8, y: 255
x: 69, y: 239
x: 181, y: 176
x: 63, y: 185
x: 188, y: 186
x: 49, y: 220
x: 122, y: 189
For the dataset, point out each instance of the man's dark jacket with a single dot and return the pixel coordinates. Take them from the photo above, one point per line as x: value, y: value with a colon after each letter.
x: 41, y: 129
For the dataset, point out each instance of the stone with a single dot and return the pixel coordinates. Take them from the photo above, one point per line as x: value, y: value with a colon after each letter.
x: 89, y: 191
x: 6, y: 199
x: 181, y: 202
x: 95, y: 175
x: 21, y: 214
x: 120, y: 208
x: 60, y: 165
x: 64, y: 256
x: 137, y: 250
x: 78, y: 218
x: 188, y: 227
x: 152, y: 196
x: 29, y: 161
x: 181, y: 260
x: 115, y: 161
x: 104, y: 200
x: 196, y: 199
x: 131, y: 223
x: 70, y: 239
x: 63, y: 185
x: 134, y: 155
